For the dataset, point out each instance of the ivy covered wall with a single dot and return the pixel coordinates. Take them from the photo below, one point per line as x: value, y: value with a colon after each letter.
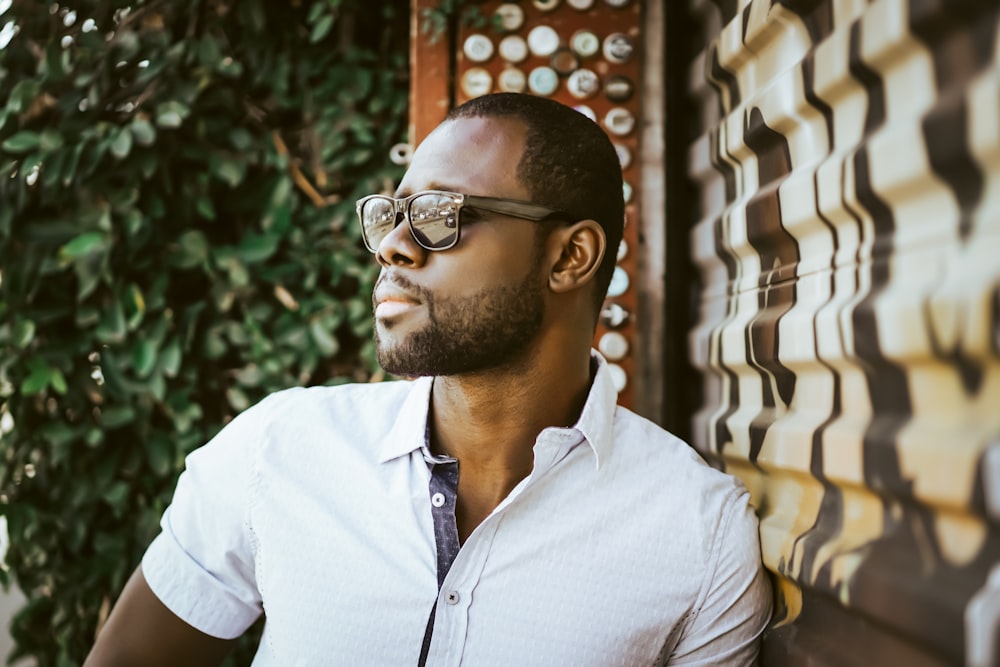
x: 177, y: 239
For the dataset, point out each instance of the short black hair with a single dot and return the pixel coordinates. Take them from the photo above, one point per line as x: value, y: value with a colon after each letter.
x: 568, y: 164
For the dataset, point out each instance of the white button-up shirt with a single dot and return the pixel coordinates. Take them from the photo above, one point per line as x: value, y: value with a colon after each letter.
x: 620, y: 548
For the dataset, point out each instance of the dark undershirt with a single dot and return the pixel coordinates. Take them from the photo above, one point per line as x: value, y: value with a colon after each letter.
x: 443, y: 491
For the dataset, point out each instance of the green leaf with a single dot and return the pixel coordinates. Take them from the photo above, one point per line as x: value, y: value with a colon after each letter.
x: 57, y: 381
x: 229, y: 171
x: 50, y: 140
x: 170, y: 358
x: 321, y: 336
x: 321, y: 28
x: 191, y: 249
x: 37, y: 380
x: 209, y: 53
x: 134, y: 305
x: 205, y: 208
x: 116, y: 416
x: 22, y: 142
x: 237, y: 399
x: 159, y: 454
x: 171, y: 115
x: 143, y: 132
x: 112, y: 328
x: 69, y: 170
x: 21, y: 96
x: 121, y: 145
x: 257, y: 247
x: 143, y: 357
x: 23, y: 333
x: 241, y: 139
x: 83, y: 245
x: 116, y: 494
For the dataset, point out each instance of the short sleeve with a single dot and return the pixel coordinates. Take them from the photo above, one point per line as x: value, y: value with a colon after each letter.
x: 201, y: 566
x: 725, y: 629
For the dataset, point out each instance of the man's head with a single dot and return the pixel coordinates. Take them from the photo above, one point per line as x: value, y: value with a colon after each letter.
x: 568, y: 164
x: 474, y: 274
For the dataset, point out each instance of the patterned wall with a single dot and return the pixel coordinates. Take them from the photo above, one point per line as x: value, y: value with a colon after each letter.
x: 847, y: 173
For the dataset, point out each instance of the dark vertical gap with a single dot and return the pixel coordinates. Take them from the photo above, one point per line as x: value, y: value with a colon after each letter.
x: 681, y: 384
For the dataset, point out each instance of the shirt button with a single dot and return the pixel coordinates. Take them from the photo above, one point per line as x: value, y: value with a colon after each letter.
x: 437, y: 500
x: 452, y: 597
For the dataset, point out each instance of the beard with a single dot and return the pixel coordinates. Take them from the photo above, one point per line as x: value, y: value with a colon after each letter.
x: 467, y: 334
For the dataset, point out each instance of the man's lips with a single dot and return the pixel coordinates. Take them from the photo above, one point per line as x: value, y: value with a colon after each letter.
x: 390, y: 300
x: 390, y: 308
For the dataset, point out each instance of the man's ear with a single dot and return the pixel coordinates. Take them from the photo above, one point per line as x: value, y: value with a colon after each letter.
x: 578, y: 249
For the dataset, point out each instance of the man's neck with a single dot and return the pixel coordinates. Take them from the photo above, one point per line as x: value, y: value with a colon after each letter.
x: 490, y: 421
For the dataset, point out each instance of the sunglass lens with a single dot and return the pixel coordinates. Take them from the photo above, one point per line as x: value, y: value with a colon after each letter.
x: 378, y: 218
x: 434, y: 220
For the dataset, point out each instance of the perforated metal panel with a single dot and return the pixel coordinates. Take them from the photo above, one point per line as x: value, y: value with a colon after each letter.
x: 847, y: 164
x: 589, y: 55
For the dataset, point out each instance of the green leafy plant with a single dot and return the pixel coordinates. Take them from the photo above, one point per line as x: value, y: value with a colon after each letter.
x: 177, y: 240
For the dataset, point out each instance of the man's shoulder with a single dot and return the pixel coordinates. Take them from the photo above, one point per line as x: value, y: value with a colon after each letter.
x: 670, y: 464
x: 306, y: 415
x: 635, y: 435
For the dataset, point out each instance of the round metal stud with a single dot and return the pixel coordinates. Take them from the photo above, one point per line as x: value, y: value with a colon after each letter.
x: 580, y: 5
x: 619, y: 282
x: 543, y: 40
x: 543, y: 81
x: 476, y: 82
x: 478, y: 48
x: 626, y: 191
x: 564, y: 61
x: 613, y: 346
x: 622, y: 250
x: 513, y: 49
x: 619, y: 88
x: 619, y: 121
x: 512, y: 80
x: 614, y: 316
x: 511, y: 16
x: 545, y: 5
x: 624, y: 155
x: 583, y: 83
x: 585, y: 43
x: 617, y: 4
x: 618, y: 48
x: 586, y: 111
x: 401, y: 154
x: 618, y: 377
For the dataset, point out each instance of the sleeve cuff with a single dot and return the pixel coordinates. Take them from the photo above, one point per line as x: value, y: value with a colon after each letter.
x: 193, y: 594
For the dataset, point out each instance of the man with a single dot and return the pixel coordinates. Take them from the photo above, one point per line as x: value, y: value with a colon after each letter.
x: 498, y: 510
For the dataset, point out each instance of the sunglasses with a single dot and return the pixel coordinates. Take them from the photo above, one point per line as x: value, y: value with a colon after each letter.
x: 435, y: 216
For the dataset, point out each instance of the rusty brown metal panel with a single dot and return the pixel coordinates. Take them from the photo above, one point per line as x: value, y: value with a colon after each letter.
x: 847, y: 173
x: 430, y: 72
x: 444, y: 74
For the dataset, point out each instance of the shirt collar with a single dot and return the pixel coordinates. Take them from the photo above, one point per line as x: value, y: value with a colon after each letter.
x: 597, y: 419
x: 409, y: 431
x: 596, y: 422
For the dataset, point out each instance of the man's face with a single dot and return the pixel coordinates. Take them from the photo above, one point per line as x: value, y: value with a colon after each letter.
x: 480, y: 304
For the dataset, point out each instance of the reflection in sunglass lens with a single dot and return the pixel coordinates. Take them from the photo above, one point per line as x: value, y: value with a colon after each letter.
x: 434, y: 220
x: 378, y: 218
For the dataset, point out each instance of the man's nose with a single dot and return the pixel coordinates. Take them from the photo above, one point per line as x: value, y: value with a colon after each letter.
x: 399, y: 248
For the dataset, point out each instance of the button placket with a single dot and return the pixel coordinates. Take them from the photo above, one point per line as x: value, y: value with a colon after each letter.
x: 443, y: 489
x: 452, y: 622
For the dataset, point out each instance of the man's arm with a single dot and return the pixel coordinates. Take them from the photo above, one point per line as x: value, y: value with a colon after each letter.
x: 733, y: 613
x: 142, y: 631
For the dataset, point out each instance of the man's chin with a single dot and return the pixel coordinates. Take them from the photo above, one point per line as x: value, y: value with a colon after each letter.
x: 395, y: 356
